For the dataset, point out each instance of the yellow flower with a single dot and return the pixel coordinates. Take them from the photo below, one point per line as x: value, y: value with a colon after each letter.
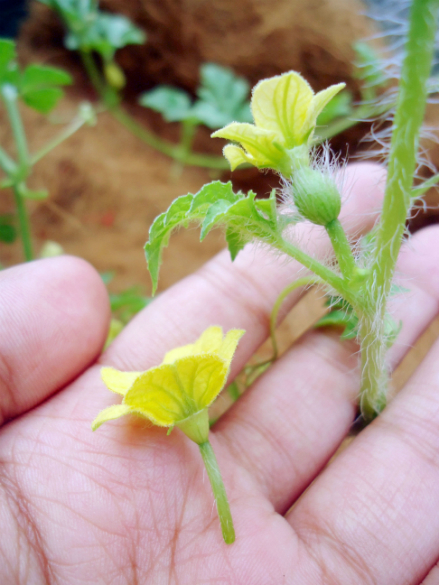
x: 178, y: 391
x: 285, y: 111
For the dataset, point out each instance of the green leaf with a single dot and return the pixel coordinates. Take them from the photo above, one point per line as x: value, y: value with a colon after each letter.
x: 215, y: 204
x: 173, y: 104
x: 7, y: 55
x: 118, y: 30
x: 8, y: 232
x: 42, y: 76
x: 223, y: 97
x: 43, y: 100
x: 128, y: 303
x: 235, y: 242
x: 341, y: 318
x: 104, y: 33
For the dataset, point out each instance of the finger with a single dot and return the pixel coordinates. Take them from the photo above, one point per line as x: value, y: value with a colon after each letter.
x: 378, y: 501
x: 235, y: 295
x: 54, y: 318
x: 288, y: 425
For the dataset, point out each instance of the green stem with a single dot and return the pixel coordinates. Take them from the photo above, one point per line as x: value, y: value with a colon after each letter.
x: 305, y: 281
x: 6, y: 163
x: 326, y: 274
x: 219, y: 492
x: 342, y: 248
x: 64, y: 135
x: 10, y: 96
x: 171, y: 150
x: 398, y: 196
x: 93, y: 73
x: 23, y: 221
x: 111, y: 101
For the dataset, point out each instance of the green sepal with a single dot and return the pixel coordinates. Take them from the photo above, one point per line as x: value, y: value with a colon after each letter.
x: 215, y: 204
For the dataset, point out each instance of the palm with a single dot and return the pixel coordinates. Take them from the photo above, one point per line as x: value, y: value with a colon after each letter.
x: 128, y: 504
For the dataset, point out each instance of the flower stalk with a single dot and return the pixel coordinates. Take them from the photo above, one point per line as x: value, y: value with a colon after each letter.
x: 219, y: 492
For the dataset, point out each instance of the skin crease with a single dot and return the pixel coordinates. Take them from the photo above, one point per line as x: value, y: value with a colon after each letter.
x: 127, y: 504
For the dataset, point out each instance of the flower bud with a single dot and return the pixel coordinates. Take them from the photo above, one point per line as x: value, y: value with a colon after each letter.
x: 316, y: 196
x: 114, y: 75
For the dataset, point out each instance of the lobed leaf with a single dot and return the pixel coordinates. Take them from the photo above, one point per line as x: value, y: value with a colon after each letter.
x: 90, y: 29
x: 172, y: 103
x: 223, y: 97
x: 215, y: 204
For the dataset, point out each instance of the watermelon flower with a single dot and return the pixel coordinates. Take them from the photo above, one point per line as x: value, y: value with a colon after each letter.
x: 178, y: 393
x: 285, y: 111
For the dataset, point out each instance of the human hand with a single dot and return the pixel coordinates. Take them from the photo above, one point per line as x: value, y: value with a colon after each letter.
x: 129, y: 504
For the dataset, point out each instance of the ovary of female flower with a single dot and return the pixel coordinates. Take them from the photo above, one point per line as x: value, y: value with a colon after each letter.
x: 179, y: 391
x: 285, y: 111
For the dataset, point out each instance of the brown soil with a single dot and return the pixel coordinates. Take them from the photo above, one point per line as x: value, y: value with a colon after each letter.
x: 257, y: 38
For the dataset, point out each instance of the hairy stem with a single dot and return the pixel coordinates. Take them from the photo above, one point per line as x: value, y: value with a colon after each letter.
x: 326, y: 274
x: 398, y: 196
x: 342, y: 248
x: 219, y: 492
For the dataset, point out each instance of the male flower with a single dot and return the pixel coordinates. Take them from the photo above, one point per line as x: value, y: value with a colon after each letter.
x: 285, y: 111
x: 179, y: 391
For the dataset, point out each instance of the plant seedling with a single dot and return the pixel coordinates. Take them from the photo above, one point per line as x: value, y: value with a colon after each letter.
x: 40, y: 88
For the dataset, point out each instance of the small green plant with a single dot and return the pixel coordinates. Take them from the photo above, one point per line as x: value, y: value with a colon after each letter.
x: 283, y: 138
x: 222, y: 98
x: 40, y: 88
x: 96, y: 35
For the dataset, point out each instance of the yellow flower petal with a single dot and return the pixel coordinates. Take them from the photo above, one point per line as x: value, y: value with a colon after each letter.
x: 177, y: 353
x: 263, y: 145
x: 317, y: 104
x: 237, y: 156
x: 229, y: 345
x: 280, y: 104
x: 110, y: 413
x: 117, y: 381
x: 210, y: 340
x: 173, y: 392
